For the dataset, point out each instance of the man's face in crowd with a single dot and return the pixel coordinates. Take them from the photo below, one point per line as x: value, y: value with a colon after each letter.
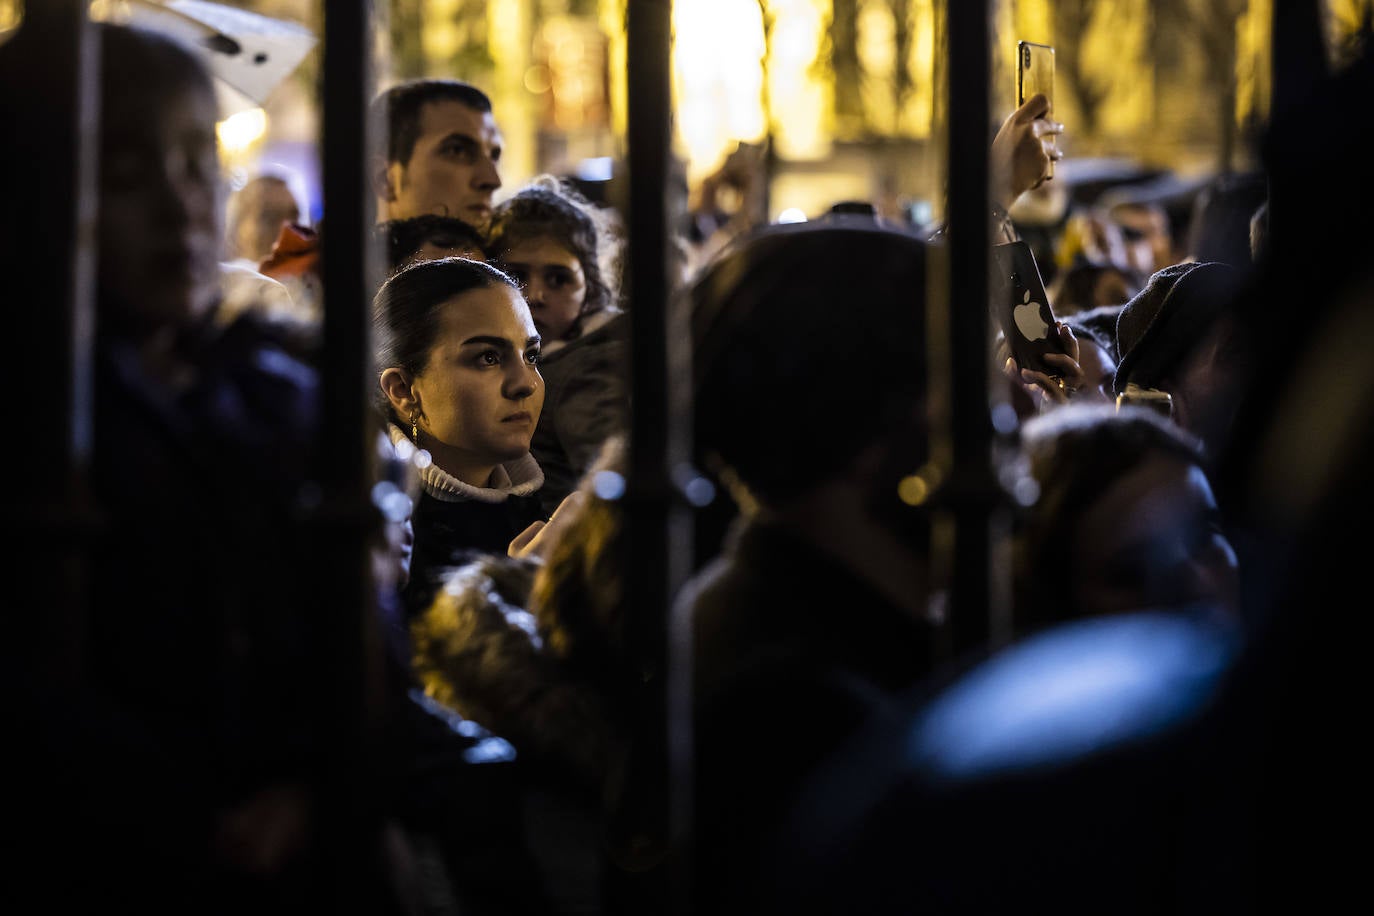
x: 453, y: 168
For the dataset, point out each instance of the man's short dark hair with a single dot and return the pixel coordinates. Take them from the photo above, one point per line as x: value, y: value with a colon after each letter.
x: 404, y: 237
x: 395, y: 113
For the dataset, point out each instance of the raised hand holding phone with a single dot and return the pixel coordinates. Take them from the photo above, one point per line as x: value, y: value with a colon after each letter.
x: 1024, y: 150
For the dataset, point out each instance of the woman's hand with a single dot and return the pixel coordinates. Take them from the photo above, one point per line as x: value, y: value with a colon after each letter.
x: 1047, y: 390
x: 538, y: 539
x: 1024, y: 150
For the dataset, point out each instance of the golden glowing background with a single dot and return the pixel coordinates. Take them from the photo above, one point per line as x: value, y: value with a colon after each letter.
x: 844, y: 92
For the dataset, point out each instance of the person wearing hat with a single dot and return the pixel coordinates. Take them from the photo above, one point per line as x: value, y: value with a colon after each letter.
x: 1182, y: 335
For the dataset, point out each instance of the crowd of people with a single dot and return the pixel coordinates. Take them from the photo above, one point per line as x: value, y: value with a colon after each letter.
x: 1122, y: 753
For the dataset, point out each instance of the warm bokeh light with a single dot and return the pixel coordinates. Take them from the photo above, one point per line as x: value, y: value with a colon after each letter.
x: 441, y: 39
x: 915, y: 489
x: 718, y: 53
x: 572, y: 52
x: 846, y: 94
x: 1345, y: 19
x: 878, y: 54
x: 238, y: 133
x: 509, y: 38
x: 798, y: 92
x: 918, y: 115
x: 1254, y: 70
x: 912, y: 490
x: 538, y: 79
x: 1119, y: 32
x: 11, y: 14
x: 610, y: 17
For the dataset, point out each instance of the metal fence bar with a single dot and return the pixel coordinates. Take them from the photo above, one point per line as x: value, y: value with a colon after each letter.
x: 972, y: 483
x: 49, y: 109
x: 49, y: 105
x: 658, y: 524
x: 343, y: 520
x: 1298, y: 57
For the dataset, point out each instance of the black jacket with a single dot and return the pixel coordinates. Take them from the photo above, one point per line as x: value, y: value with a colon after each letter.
x: 792, y: 653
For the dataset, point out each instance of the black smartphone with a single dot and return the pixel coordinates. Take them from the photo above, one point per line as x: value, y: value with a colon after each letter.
x: 1035, y: 74
x: 1022, y: 308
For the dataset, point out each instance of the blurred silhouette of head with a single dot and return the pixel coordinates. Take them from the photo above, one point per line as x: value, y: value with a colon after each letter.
x: 1085, y: 285
x: 1219, y: 229
x: 1125, y: 520
x: 1184, y: 334
x: 255, y: 214
x: 810, y: 350
x: 159, y: 222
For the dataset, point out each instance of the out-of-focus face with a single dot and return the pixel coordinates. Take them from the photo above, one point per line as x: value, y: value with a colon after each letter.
x: 275, y: 205
x: 1148, y: 240
x: 1112, y: 288
x: 453, y: 168
x: 1204, y: 384
x: 1154, y: 541
x: 480, y: 392
x: 553, y: 281
x: 159, y: 222
x: 1099, y: 372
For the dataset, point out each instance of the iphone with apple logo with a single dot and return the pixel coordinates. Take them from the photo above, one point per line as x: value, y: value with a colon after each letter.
x: 1022, y: 308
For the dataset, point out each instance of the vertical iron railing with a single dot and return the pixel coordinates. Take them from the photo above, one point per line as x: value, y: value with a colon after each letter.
x: 972, y: 485
x: 49, y: 105
x: 657, y: 522
x: 46, y: 237
x: 1299, y: 62
x: 49, y: 98
x: 342, y: 522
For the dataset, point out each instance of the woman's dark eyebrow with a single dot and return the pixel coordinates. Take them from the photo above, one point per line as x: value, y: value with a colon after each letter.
x: 502, y: 342
x: 489, y: 341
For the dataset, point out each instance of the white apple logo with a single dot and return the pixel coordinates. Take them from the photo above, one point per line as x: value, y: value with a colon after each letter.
x: 1028, y: 320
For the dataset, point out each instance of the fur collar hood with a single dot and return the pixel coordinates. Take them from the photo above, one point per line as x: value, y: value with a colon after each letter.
x: 478, y: 651
x: 520, y: 477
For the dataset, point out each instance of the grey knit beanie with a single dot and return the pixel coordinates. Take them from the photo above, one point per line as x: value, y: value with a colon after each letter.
x: 1161, y: 323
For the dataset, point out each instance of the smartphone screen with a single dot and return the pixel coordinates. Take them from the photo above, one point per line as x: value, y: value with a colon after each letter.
x: 1035, y: 74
